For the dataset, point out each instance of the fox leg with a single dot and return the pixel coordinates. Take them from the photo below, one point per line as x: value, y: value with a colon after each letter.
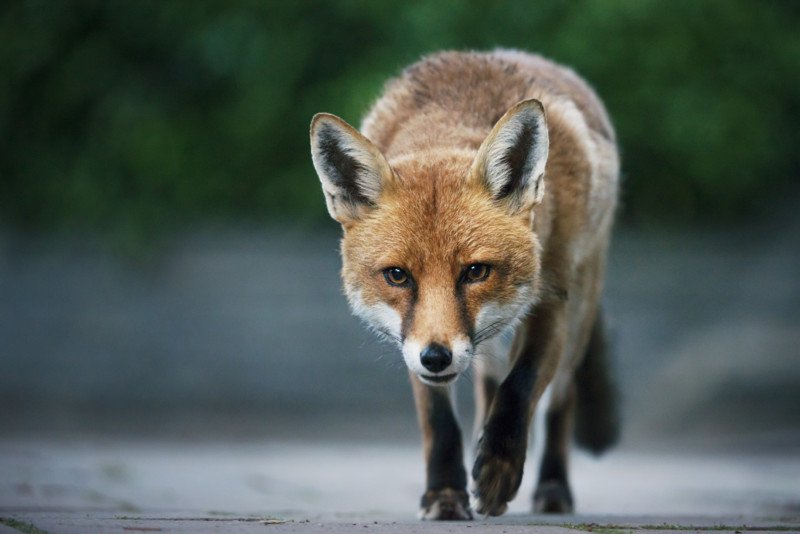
x: 500, y: 457
x: 446, y: 480
x: 585, y: 407
x: 552, y: 493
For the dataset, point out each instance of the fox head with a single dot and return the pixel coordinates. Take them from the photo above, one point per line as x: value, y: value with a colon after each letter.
x: 438, y: 251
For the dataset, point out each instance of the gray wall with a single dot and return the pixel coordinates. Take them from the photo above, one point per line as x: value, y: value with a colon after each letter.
x: 246, y: 331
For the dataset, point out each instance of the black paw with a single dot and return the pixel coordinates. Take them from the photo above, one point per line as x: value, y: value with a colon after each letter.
x: 445, y: 505
x: 552, y: 497
x: 497, y: 474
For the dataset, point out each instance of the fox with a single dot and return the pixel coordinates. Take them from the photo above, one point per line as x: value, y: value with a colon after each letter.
x: 476, y: 203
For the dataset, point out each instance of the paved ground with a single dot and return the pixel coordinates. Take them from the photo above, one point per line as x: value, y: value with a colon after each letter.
x: 80, y: 485
x: 100, y: 523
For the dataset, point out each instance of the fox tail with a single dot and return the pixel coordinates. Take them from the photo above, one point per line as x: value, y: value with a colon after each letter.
x: 597, y: 420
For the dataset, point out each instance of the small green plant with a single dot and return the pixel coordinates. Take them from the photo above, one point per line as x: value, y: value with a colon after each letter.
x: 22, y: 526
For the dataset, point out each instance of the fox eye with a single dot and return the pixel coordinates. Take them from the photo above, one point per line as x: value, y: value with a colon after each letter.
x: 395, y: 276
x: 477, y: 272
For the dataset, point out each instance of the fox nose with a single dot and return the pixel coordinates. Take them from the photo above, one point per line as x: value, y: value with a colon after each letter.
x: 436, y: 357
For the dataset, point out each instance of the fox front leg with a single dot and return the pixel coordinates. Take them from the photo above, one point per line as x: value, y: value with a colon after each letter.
x: 446, y: 479
x: 500, y: 457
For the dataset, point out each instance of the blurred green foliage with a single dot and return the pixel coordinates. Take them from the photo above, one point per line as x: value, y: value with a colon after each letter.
x: 130, y: 116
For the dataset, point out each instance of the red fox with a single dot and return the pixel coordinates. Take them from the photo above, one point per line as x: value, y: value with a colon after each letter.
x: 478, y: 199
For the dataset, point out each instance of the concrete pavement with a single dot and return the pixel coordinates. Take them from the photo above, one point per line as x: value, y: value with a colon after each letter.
x: 102, y: 523
x: 80, y: 485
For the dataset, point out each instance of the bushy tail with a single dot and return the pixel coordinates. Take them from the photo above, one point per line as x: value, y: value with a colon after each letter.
x: 597, y: 422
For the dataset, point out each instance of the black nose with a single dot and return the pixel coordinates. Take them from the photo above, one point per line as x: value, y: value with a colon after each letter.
x: 435, y: 358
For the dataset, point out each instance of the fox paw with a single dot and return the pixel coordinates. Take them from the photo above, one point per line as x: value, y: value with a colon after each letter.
x: 496, y: 479
x: 445, y: 505
x: 552, y: 497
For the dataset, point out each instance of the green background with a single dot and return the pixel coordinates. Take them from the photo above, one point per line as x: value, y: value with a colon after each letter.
x: 127, y: 118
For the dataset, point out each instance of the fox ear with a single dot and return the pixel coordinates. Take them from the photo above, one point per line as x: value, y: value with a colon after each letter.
x: 511, y: 160
x: 352, y: 170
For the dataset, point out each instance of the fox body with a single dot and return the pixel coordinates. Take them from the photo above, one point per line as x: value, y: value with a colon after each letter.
x: 477, y: 199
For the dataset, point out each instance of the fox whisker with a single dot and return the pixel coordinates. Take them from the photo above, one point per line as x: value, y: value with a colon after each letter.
x: 491, y: 330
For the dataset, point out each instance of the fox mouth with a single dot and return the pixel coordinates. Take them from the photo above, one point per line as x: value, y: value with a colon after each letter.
x: 443, y: 379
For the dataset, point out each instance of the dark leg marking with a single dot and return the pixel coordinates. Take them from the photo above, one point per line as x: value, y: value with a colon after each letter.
x: 446, y: 495
x: 501, y: 450
x: 445, y: 463
x: 553, y: 494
